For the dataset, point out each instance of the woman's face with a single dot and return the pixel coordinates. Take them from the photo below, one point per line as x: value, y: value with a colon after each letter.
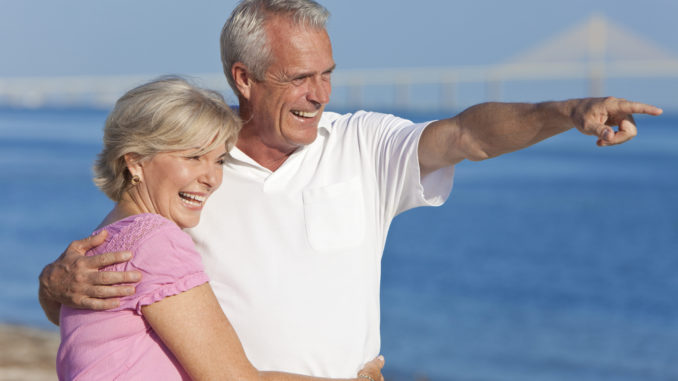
x: 177, y: 184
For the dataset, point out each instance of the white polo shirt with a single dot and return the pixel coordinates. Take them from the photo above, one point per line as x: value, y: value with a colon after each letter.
x: 294, y: 255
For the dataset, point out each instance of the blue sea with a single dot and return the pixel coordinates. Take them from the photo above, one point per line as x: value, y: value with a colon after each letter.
x: 558, y: 262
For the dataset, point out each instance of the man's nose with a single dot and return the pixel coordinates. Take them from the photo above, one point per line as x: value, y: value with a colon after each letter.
x: 320, y: 90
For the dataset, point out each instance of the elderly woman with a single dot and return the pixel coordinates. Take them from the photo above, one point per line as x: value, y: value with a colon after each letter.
x: 164, y: 146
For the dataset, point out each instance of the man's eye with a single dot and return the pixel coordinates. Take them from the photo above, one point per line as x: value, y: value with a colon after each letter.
x: 298, y: 81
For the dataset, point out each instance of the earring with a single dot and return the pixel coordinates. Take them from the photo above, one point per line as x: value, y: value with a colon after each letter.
x: 135, y: 180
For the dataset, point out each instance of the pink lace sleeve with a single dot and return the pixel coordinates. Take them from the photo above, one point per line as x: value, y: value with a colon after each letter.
x: 169, y: 265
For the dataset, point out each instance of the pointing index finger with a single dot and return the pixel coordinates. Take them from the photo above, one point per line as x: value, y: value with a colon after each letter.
x: 639, y: 108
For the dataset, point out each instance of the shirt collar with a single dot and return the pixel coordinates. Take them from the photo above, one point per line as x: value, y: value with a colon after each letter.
x: 325, y: 122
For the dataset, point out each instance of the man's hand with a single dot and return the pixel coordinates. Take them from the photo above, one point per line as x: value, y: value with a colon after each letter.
x: 371, y: 371
x: 598, y: 116
x: 75, y: 280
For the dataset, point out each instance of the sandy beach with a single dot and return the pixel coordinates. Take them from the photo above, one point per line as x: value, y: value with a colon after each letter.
x: 27, y: 354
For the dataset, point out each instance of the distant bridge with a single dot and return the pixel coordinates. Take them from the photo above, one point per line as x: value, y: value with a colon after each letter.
x: 593, y: 52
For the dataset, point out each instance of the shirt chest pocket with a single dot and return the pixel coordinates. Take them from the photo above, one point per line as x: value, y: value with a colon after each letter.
x: 335, y: 215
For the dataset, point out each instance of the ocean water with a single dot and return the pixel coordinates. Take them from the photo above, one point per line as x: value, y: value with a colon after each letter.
x: 558, y: 262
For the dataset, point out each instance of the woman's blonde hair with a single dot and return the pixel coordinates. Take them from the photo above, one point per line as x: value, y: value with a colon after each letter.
x: 168, y: 114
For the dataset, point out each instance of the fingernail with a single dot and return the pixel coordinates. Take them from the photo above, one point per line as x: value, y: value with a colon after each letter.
x: 606, y: 134
x: 126, y: 255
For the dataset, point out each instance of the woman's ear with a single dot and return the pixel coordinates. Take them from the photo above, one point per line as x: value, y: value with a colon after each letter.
x: 242, y: 78
x: 133, y: 162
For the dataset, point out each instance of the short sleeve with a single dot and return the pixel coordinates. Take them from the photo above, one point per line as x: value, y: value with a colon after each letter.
x: 394, y: 144
x: 169, y: 264
x: 403, y: 172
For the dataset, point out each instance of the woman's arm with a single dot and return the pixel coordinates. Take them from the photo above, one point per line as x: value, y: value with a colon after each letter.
x: 195, y: 329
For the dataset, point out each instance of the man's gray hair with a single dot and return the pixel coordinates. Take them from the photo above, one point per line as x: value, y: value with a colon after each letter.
x: 243, y: 37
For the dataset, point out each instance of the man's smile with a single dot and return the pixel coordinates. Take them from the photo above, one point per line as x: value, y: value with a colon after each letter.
x: 305, y: 114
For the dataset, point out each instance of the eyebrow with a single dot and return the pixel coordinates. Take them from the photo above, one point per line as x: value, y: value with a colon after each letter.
x: 309, y: 73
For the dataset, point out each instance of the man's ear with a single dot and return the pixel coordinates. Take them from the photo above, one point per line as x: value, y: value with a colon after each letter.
x: 133, y: 162
x: 242, y: 78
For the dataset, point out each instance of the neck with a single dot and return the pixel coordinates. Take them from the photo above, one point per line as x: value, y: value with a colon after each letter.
x: 252, y: 142
x: 268, y: 157
x: 124, y: 208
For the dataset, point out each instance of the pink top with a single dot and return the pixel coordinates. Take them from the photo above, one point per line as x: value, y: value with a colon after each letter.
x: 119, y: 343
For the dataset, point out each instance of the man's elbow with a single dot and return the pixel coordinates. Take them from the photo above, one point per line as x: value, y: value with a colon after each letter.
x: 472, y: 148
x: 478, y: 155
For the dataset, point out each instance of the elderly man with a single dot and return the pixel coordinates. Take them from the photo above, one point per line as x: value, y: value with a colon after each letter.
x: 293, y: 239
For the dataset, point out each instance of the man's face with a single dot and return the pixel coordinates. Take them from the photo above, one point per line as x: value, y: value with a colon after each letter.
x: 287, y: 104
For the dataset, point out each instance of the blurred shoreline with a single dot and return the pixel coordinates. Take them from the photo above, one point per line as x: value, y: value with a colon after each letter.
x: 27, y: 353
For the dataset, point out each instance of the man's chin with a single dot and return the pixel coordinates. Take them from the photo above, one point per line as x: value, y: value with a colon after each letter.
x: 304, y: 138
x: 308, y: 139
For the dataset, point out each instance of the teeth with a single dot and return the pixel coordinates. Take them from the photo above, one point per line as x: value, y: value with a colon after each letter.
x: 192, y: 199
x: 305, y: 114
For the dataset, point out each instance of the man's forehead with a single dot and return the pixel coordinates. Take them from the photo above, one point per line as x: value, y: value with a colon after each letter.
x: 301, y: 46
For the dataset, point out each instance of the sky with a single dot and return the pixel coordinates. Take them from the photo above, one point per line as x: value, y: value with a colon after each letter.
x: 84, y: 37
